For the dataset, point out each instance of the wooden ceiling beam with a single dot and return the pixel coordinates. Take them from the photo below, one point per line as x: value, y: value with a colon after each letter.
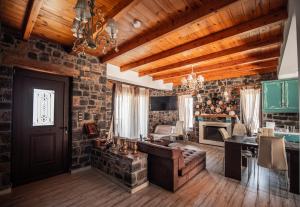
x: 34, y: 65
x: 272, y: 56
x: 231, y: 75
x: 161, y: 30
x: 248, y: 67
x: 230, y: 51
x: 240, y: 73
x: 117, y: 11
x: 271, y: 18
x: 241, y: 70
x: 32, y: 11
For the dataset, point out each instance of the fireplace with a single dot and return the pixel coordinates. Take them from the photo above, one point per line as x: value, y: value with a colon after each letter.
x: 209, y: 132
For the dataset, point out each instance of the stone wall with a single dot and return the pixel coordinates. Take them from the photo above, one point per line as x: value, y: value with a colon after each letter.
x: 6, y: 81
x: 214, y: 89
x: 281, y: 119
x: 129, y: 170
x: 88, y: 94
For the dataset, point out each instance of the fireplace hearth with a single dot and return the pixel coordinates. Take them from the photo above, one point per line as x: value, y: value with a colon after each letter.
x: 209, y: 132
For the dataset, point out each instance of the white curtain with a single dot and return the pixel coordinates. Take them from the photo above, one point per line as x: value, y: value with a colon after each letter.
x: 143, y: 111
x: 185, y: 106
x: 131, y: 111
x: 250, y: 108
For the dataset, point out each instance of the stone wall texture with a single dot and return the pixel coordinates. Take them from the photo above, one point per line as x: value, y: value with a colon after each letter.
x: 127, y: 169
x: 88, y: 96
x: 281, y: 119
x: 214, y: 89
x: 6, y: 81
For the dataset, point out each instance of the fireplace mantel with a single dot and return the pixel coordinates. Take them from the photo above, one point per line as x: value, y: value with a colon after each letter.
x: 217, y: 116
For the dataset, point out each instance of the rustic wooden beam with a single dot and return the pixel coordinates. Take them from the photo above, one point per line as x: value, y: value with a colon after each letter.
x: 241, y: 74
x: 9, y: 59
x: 247, y: 67
x: 32, y: 12
x: 223, y: 65
x: 271, y: 18
x: 234, y: 50
x: 232, y: 75
x: 190, y: 16
x: 118, y: 10
x: 241, y: 70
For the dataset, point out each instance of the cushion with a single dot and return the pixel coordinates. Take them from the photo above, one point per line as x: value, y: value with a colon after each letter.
x: 159, y: 136
x: 239, y: 129
x: 164, y: 129
x: 224, y: 133
x: 192, y: 158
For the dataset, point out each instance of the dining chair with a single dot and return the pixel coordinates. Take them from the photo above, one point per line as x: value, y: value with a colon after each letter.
x: 245, y: 153
x: 272, y: 155
x: 225, y: 136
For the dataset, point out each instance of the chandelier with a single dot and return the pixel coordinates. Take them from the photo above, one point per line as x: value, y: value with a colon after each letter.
x: 192, y: 82
x: 88, y: 28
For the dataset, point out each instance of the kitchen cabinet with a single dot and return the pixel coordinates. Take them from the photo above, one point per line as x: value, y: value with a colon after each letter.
x: 280, y: 96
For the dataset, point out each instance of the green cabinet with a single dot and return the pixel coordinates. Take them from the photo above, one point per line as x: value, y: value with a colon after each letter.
x: 280, y: 96
x: 291, y: 93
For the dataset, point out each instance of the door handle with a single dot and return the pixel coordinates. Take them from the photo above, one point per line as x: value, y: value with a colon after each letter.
x: 64, y: 128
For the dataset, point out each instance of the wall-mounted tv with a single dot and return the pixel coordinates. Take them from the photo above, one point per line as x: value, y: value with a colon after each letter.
x: 163, y: 103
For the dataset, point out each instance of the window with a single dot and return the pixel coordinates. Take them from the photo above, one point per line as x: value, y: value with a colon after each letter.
x: 185, y: 106
x: 250, y: 109
x: 131, y: 111
x: 43, y: 107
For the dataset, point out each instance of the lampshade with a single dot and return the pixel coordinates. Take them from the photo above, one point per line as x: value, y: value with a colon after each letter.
x: 75, y: 26
x: 112, y: 28
x: 82, y: 11
x: 81, y: 4
x: 190, y: 77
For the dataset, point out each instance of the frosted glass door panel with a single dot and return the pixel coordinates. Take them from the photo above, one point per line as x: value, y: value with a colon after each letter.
x: 43, y: 107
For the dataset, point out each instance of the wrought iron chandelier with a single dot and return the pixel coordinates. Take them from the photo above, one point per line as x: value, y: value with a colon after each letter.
x: 192, y: 82
x: 88, y: 28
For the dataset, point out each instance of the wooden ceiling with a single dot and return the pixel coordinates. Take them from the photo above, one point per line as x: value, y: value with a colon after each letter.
x: 221, y: 38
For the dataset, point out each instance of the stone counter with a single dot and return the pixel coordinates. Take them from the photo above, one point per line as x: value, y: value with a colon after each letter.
x: 129, y: 170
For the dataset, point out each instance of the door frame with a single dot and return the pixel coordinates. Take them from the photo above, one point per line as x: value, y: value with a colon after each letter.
x: 67, y: 119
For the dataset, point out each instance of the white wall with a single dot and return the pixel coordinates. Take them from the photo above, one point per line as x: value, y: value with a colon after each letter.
x: 114, y: 73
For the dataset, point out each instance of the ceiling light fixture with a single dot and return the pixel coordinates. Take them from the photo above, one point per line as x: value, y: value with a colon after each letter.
x: 136, y: 23
x: 88, y: 28
x: 192, y: 82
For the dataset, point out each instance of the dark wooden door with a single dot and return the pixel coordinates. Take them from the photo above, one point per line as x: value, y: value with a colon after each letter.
x: 40, y: 126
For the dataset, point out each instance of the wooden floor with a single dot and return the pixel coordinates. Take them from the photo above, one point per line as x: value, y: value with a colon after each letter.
x: 209, y: 188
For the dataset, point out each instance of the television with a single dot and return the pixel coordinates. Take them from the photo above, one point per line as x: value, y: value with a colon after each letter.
x: 163, y: 103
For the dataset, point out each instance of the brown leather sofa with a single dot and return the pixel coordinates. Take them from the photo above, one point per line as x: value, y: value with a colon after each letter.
x: 171, y: 168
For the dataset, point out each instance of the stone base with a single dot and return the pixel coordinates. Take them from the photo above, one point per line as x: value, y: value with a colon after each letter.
x: 129, y: 170
x: 117, y: 182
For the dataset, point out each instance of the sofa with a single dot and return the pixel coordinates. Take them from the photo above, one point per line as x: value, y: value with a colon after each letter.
x: 172, y: 167
x: 162, y: 131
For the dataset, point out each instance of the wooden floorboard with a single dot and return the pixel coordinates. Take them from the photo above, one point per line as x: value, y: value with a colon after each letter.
x: 208, y: 188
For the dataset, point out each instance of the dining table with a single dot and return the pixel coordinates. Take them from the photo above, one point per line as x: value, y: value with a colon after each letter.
x: 234, y: 161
